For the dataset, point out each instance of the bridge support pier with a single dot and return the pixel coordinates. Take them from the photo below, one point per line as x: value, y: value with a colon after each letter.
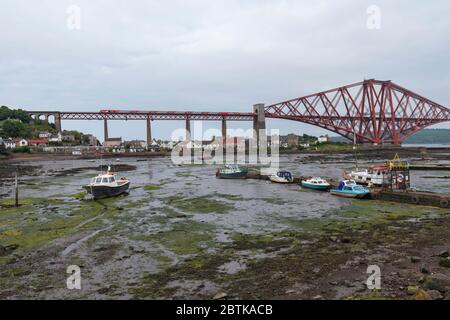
x: 58, y: 122
x: 224, y: 139
x: 149, y: 132
x: 259, y: 123
x: 105, y: 129
x: 188, y: 129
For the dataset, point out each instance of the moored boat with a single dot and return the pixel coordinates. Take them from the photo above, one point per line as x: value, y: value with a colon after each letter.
x: 377, y: 176
x: 107, y: 185
x: 232, y: 171
x: 316, y: 183
x: 349, y: 189
x: 282, y: 177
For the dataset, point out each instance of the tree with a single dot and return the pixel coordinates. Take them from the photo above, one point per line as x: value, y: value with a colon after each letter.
x: 19, y: 114
x: 13, y: 129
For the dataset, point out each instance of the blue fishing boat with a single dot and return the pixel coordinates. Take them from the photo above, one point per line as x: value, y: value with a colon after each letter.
x: 349, y: 189
x: 232, y: 171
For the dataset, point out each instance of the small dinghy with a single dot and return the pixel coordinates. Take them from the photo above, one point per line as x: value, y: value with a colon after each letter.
x: 349, y: 189
x: 316, y: 183
x: 107, y: 185
x: 232, y: 171
x: 282, y: 177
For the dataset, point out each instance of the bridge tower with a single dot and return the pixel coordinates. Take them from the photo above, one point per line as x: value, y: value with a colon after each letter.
x: 149, y: 131
x: 259, y: 121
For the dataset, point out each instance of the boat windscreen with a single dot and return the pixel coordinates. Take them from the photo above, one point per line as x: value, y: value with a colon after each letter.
x: 285, y: 174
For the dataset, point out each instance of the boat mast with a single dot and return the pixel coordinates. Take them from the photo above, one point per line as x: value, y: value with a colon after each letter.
x: 354, y: 148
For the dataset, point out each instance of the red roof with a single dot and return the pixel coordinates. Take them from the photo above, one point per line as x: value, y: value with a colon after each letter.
x: 378, y: 168
x: 37, y: 141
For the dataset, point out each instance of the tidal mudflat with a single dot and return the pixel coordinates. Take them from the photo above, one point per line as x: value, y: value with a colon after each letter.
x: 183, y: 234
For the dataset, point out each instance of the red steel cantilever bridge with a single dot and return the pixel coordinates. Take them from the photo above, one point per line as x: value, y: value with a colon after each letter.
x: 371, y: 111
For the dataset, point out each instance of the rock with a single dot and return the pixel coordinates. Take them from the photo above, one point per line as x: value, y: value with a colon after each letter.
x: 443, y: 254
x: 415, y: 259
x: 333, y: 283
x: 435, y: 295
x: 424, y: 269
x: 290, y: 291
x: 318, y: 297
x: 5, y: 250
x: 437, y: 281
x: 421, y: 295
x: 445, y: 262
x: 412, y: 290
x: 220, y: 296
x: 334, y: 239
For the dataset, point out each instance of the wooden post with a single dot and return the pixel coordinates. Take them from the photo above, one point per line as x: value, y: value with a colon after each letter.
x: 17, y: 191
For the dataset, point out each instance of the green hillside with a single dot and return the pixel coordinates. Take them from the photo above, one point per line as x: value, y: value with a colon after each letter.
x: 16, y: 123
x: 430, y: 136
x: 426, y: 136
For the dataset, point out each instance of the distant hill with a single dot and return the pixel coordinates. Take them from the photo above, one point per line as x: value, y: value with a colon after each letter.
x: 430, y: 136
x: 426, y: 136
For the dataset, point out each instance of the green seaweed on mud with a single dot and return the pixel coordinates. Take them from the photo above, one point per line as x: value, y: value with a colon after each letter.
x: 185, y: 237
x: 152, y: 187
x: 230, y: 197
x: 171, y: 213
x: 302, y: 247
x: 204, y: 204
x: 33, y: 224
x: 360, y: 214
x: 80, y: 195
x: 184, y: 174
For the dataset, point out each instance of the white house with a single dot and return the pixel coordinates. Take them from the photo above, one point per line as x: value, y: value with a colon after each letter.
x: 323, y: 139
x: 57, y: 138
x: 168, y: 144
x: 44, y: 135
x: 21, y: 143
x: 9, y: 144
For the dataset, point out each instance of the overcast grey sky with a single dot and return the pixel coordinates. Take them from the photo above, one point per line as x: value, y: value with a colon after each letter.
x: 212, y: 55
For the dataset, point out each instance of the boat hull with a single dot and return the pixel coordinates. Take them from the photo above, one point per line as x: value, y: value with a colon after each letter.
x: 235, y: 175
x: 278, y: 180
x: 100, y: 192
x: 352, y: 195
x: 315, y: 186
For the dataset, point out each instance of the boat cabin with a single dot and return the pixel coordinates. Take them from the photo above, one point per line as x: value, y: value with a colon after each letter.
x: 104, y: 179
x: 346, y: 183
x: 285, y: 174
x: 317, y: 180
x: 373, y: 176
